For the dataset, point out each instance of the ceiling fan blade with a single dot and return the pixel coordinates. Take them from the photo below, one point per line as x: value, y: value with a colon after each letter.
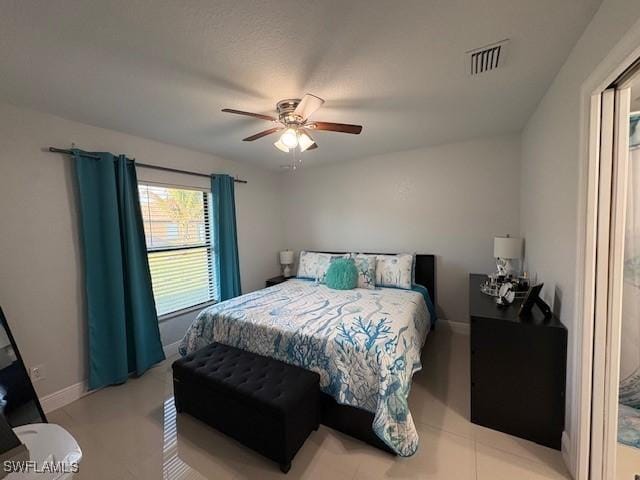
x: 264, y: 133
x: 336, y: 127
x: 249, y: 114
x: 312, y: 147
x: 308, y: 105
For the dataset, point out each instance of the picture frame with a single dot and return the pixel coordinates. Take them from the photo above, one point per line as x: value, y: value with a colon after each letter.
x: 530, y: 300
x: 19, y: 402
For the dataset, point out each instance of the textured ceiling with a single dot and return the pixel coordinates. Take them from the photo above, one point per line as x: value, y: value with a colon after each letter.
x: 164, y: 69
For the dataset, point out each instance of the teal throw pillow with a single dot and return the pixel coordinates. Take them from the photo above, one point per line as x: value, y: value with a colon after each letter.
x: 342, y: 274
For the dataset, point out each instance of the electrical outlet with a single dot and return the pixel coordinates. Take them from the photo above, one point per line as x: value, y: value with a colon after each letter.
x: 37, y: 373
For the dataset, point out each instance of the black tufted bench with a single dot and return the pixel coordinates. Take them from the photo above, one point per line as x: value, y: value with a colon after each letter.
x: 267, y: 405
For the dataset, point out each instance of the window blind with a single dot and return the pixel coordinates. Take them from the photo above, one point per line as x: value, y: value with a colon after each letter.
x: 178, y: 235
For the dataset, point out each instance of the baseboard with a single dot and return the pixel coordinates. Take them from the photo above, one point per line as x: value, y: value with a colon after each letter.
x: 171, y: 349
x: 70, y: 394
x: 456, y: 327
x: 64, y: 397
x: 565, y: 448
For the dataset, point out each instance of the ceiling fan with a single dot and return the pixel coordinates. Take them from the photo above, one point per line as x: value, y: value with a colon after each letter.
x: 293, y: 121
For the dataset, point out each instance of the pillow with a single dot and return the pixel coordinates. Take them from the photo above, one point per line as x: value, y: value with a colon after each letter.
x: 314, y: 265
x: 366, y: 265
x: 307, y: 265
x: 324, y: 262
x: 342, y: 274
x: 394, y: 270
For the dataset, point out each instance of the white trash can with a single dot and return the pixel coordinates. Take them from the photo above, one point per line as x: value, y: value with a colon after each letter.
x: 53, y: 449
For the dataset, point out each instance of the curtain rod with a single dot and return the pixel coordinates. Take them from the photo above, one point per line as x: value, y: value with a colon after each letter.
x: 146, y: 165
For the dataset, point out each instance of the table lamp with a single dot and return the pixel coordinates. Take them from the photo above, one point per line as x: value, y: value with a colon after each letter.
x: 506, y: 249
x: 286, y: 260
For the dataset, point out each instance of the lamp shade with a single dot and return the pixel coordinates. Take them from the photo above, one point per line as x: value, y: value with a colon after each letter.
x: 286, y: 257
x: 305, y: 141
x: 507, y: 247
x: 281, y: 146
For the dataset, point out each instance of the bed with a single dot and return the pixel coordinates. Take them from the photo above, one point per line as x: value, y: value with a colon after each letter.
x: 629, y: 425
x: 365, y: 344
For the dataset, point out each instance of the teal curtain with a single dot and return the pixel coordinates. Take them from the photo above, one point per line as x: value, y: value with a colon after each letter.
x: 225, y: 237
x: 124, y: 337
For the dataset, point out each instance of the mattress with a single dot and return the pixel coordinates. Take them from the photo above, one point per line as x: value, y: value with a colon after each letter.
x: 364, y: 343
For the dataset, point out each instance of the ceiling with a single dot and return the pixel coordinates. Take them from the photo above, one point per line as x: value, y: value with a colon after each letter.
x: 163, y: 70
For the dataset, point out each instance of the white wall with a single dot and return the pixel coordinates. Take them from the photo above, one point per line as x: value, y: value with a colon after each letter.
x: 553, y: 144
x: 448, y: 200
x: 41, y: 288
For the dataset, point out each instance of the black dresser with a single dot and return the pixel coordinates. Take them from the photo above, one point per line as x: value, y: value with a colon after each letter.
x: 518, y: 369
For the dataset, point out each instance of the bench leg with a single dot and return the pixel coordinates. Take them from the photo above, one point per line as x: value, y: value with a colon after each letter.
x: 177, y: 405
x: 285, y: 467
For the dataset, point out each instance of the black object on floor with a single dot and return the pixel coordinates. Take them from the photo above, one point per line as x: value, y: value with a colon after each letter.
x: 353, y: 421
x: 12, y: 450
x: 267, y: 405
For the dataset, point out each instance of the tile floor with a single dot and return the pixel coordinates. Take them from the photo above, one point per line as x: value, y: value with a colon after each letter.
x: 627, y: 462
x: 132, y: 432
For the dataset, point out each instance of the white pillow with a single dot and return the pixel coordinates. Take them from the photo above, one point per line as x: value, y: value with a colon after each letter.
x: 314, y: 265
x: 307, y: 265
x: 394, y: 270
x: 366, y: 265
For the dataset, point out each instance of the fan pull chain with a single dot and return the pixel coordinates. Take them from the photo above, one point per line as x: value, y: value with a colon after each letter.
x: 296, y: 159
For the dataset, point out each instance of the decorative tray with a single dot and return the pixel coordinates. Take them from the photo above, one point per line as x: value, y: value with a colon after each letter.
x: 493, y: 289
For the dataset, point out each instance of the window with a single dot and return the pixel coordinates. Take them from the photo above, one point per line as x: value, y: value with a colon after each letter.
x: 179, y: 246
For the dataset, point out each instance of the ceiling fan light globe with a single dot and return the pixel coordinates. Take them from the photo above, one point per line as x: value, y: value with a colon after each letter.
x: 289, y: 138
x: 305, y: 141
x: 281, y: 146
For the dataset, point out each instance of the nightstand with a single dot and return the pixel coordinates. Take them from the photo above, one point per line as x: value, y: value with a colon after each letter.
x: 276, y: 280
x: 518, y: 369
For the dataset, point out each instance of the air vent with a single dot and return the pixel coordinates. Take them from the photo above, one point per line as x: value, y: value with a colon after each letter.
x: 484, y: 59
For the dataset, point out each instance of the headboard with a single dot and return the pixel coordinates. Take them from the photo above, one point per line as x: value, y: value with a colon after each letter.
x: 425, y: 270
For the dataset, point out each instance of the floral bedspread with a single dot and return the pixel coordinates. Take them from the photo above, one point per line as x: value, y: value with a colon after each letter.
x: 365, y: 344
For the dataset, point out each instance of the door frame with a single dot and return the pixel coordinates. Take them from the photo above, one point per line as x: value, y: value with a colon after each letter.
x: 610, y: 212
x: 578, y: 450
x: 620, y: 177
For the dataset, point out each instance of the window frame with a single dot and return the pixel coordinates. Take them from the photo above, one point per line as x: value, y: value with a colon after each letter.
x: 211, y: 251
